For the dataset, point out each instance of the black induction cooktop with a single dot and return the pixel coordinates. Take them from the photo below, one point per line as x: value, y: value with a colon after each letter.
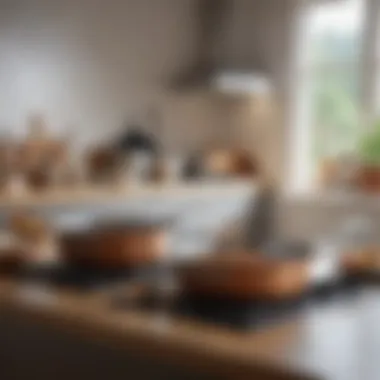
x: 238, y: 314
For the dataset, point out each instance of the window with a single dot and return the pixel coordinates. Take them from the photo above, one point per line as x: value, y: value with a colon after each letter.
x: 330, y: 75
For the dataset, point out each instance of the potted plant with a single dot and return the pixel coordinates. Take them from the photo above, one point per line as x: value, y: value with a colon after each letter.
x: 369, y: 154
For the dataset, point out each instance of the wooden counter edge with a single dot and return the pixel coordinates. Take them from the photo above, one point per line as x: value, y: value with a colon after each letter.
x: 93, y: 323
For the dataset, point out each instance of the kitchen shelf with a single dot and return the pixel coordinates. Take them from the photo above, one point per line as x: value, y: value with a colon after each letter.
x: 108, y: 194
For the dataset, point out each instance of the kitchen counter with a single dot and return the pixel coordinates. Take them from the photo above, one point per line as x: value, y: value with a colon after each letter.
x: 338, y: 340
x: 197, y: 211
x: 183, y: 342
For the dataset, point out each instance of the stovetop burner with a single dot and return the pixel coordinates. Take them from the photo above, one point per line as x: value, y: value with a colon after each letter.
x: 236, y: 314
x: 239, y: 315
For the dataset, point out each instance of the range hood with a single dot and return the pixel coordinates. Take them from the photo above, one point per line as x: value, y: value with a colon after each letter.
x: 209, y: 72
x: 235, y: 81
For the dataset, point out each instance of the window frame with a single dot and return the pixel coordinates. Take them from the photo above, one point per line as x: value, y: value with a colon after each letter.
x: 300, y: 140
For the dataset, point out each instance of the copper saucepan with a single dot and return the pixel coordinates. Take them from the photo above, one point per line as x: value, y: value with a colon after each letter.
x: 361, y: 261
x: 10, y: 261
x: 248, y: 277
x: 113, y: 247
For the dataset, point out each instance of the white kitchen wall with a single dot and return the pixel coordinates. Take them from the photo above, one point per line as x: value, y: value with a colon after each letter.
x: 91, y: 65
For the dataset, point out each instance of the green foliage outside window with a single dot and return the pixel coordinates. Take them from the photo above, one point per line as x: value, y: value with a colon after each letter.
x: 369, y: 146
x: 335, y: 94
